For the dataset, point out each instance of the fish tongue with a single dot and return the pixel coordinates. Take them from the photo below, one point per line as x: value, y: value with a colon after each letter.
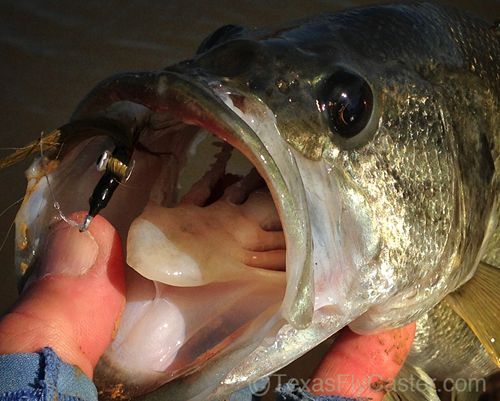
x: 189, y: 245
x: 206, y: 263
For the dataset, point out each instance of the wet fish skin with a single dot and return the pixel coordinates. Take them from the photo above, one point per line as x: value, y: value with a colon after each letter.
x: 445, y: 347
x: 284, y: 66
x: 433, y: 155
x: 425, y: 164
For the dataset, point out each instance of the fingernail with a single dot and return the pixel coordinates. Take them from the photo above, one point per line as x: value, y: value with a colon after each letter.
x: 68, y: 251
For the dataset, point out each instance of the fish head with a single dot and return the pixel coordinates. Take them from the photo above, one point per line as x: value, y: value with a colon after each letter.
x: 376, y: 153
x: 381, y: 131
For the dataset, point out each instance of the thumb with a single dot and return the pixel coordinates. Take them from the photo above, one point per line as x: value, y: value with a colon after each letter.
x: 75, y: 303
x: 363, y: 365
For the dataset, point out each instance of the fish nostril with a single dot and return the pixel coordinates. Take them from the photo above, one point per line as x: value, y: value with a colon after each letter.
x: 231, y: 58
x: 224, y: 33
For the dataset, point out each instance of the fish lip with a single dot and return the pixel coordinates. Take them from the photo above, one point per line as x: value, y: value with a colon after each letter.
x: 188, y: 100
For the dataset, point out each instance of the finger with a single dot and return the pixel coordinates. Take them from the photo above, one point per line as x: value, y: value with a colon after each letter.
x: 363, y: 365
x: 76, y: 303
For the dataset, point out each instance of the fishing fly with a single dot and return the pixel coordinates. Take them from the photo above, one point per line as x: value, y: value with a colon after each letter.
x: 55, y: 203
x: 116, y: 165
x: 117, y: 172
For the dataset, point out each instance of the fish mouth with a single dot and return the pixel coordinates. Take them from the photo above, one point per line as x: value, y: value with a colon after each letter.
x: 213, y: 282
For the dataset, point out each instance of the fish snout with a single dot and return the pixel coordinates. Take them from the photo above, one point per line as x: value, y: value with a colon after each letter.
x: 232, y: 58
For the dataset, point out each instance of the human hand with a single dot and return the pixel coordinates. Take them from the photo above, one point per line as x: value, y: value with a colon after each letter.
x: 75, y: 305
x: 362, y: 365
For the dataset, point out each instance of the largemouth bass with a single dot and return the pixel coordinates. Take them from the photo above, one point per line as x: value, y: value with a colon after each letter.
x: 368, y: 191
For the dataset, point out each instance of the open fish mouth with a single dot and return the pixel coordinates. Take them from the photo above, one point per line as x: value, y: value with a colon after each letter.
x: 223, y: 253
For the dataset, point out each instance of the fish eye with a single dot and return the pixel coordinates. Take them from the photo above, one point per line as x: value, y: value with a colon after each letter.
x: 221, y: 34
x: 347, y: 103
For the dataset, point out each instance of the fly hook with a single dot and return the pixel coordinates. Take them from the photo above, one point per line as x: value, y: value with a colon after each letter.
x: 117, y: 172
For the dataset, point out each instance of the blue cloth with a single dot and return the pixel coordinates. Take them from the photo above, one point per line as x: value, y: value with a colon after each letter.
x: 45, y: 377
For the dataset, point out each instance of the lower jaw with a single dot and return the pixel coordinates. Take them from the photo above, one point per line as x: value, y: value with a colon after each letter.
x: 214, y: 298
